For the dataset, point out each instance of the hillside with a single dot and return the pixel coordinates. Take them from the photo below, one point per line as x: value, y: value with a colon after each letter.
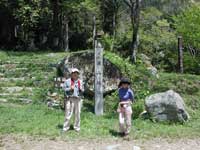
x: 27, y: 77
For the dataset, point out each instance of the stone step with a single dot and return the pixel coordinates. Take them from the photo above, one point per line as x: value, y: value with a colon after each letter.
x: 12, y: 79
x: 26, y: 62
x: 25, y: 82
x: 28, y: 66
x: 8, y: 66
x: 9, y: 62
x: 3, y: 100
x: 21, y: 100
x: 16, y: 100
x: 16, y: 69
x: 10, y: 105
x: 25, y: 68
x: 20, y: 92
x: 26, y: 74
x: 1, y: 74
x: 35, y: 61
x: 12, y: 74
x: 10, y: 95
x: 13, y: 69
x: 15, y: 89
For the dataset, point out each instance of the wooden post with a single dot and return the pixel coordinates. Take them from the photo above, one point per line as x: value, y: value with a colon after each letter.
x: 98, y: 78
x: 94, y: 31
x: 180, y: 54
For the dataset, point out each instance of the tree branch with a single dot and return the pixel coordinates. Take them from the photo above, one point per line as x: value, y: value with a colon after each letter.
x: 127, y: 2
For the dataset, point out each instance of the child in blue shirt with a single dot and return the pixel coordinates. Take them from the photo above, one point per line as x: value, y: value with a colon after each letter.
x: 126, y: 98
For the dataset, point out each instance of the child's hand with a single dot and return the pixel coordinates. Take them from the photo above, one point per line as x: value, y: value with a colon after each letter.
x: 72, y: 88
x: 118, y: 110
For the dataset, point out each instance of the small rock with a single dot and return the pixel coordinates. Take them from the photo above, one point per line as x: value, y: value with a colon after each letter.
x: 53, y: 103
x: 1, y: 74
x: 26, y: 101
x: 51, y: 55
x: 54, y: 94
x: 144, y: 115
x: 81, y: 148
x: 136, y: 148
x: 153, y: 71
x: 3, y: 100
x: 150, y: 67
x: 113, y: 147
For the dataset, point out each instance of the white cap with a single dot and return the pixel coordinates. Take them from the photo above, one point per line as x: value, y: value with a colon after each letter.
x: 75, y: 70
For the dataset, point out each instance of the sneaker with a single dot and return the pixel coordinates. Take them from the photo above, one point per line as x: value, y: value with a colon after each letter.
x: 77, y: 129
x: 65, y: 129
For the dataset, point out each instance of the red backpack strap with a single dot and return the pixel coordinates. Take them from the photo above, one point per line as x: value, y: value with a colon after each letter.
x: 79, y: 84
x: 72, y: 82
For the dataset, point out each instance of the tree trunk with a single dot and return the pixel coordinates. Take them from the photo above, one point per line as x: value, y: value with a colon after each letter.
x: 134, y: 6
x: 114, y: 24
x: 135, y: 20
x: 16, y: 30
x: 62, y: 30
x: 114, y: 31
x: 66, y: 34
x: 55, y: 24
x: 94, y: 31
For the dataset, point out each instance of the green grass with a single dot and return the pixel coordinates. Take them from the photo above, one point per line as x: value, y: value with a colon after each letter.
x: 40, y: 120
x: 28, y: 57
x: 188, y: 86
x: 37, y: 119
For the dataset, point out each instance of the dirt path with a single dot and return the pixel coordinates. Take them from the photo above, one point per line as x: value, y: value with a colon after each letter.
x: 9, y: 142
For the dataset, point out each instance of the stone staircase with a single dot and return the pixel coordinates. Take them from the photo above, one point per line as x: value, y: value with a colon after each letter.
x: 24, y: 82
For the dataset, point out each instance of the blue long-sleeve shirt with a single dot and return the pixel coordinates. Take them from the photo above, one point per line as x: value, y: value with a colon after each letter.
x: 125, y: 94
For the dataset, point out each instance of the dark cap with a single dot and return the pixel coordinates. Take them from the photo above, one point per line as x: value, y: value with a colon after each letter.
x: 124, y: 80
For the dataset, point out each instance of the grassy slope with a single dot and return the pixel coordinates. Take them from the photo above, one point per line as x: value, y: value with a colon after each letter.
x: 37, y: 119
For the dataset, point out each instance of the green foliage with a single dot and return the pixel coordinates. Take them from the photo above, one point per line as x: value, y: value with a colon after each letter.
x: 108, y: 42
x: 186, y: 85
x: 144, y: 84
x: 149, y: 17
x: 159, y: 42
x: 80, y: 14
x: 109, y: 12
x: 139, y: 77
x: 168, y: 7
x: 27, y: 14
x: 187, y: 24
x: 157, y: 39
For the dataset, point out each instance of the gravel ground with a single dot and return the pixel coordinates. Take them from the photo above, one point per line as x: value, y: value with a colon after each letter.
x: 13, y: 142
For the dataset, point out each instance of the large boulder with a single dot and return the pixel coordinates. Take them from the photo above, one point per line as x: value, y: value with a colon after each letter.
x: 167, y: 106
x: 84, y: 61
